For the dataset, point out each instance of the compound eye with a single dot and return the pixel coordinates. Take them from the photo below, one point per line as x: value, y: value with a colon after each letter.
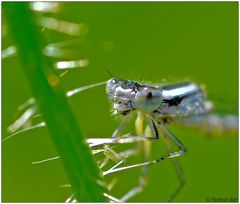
x: 149, y: 95
x: 148, y: 100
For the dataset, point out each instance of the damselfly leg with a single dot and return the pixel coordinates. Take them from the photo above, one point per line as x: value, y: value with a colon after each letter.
x: 121, y: 126
x: 178, y: 169
x: 143, y: 145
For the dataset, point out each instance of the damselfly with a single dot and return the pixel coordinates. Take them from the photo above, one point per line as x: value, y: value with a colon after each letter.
x: 183, y: 102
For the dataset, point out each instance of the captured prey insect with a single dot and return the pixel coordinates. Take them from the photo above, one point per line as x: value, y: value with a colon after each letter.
x: 183, y: 102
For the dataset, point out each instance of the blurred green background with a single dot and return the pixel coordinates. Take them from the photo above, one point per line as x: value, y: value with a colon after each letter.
x: 140, y: 41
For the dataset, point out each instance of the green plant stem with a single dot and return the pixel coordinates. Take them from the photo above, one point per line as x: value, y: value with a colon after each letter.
x: 83, y: 173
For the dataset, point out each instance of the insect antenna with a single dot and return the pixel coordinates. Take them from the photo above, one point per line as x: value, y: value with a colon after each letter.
x: 109, y: 72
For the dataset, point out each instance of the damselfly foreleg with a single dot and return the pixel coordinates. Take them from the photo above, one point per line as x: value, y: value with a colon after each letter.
x: 122, y: 125
x: 145, y: 147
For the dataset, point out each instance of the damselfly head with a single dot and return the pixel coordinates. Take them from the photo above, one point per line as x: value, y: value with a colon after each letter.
x: 148, y: 98
x: 121, y: 93
x: 129, y: 95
